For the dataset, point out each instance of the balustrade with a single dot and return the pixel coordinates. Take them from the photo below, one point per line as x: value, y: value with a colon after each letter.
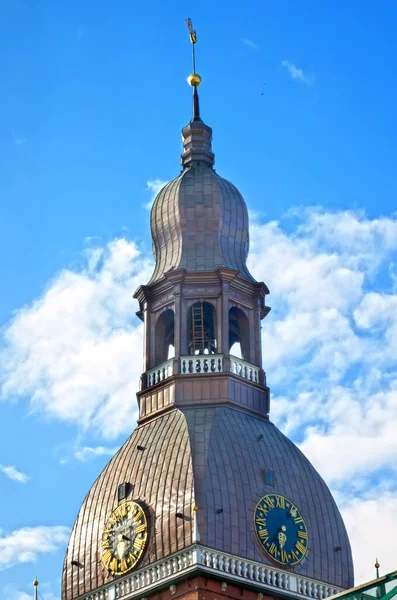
x: 203, y: 363
x: 196, y: 556
x: 244, y: 369
x: 160, y: 373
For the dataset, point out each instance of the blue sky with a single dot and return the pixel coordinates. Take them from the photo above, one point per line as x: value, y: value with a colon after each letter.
x: 301, y: 98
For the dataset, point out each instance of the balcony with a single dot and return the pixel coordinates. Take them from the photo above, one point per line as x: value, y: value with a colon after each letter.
x: 203, y: 364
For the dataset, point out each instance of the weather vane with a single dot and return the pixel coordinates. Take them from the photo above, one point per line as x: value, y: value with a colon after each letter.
x: 194, y: 79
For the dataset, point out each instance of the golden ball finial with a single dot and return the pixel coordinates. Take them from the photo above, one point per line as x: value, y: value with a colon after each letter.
x: 194, y: 79
x: 35, y: 583
x: 377, y: 565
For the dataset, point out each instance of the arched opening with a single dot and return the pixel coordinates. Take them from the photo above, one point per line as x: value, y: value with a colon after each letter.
x: 164, y: 339
x: 239, y: 334
x: 201, y: 328
x: 235, y: 350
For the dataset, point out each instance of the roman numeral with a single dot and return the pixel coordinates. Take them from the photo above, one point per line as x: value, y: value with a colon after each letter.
x: 105, y: 544
x: 123, y: 565
x: 139, y: 544
x: 260, y: 521
x: 140, y: 528
x: 280, y: 503
x: 284, y: 556
x: 273, y: 550
x: 302, y: 535
x: 114, y: 565
x: 269, y: 501
x: 298, y: 520
x: 300, y: 547
x: 263, y: 533
x: 106, y: 558
x: 294, y: 556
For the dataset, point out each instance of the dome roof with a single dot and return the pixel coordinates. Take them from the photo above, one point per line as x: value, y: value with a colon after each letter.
x: 199, y: 222
x: 215, y: 457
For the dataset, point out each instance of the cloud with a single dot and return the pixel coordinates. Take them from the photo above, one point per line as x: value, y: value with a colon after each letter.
x: 250, y: 44
x: 372, y: 526
x: 11, y: 592
x: 26, y: 544
x: 14, y: 474
x: 88, y: 453
x: 154, y: 186
x: 296, y: 73
x: 76, y: 351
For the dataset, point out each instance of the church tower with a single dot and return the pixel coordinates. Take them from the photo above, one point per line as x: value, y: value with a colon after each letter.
x: 207, y: 499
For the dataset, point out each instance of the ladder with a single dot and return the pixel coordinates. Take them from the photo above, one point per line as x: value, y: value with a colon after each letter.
x: 198, y: 328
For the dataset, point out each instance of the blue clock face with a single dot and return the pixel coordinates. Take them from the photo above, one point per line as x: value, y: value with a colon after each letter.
x: 280, y: 529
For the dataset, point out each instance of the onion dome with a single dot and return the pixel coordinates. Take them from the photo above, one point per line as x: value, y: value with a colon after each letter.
x: 199, y: 221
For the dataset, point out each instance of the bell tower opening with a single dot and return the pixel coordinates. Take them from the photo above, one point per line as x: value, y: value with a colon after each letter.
x: 201, y: 328
x: 164, y: 336
x: 239, y: 334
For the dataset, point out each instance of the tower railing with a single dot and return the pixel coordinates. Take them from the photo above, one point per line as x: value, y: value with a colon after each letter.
x: 201, y: 363
x: 244, y: 369
x: 265, y: 578
x: 160, y: 372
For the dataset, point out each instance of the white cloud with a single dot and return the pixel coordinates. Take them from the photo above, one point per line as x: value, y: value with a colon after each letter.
x: 250, y: 44
x: 76, y: 352
x: 13, y: 473
x: 154, y: 186
x: 328, y: 377
x: 296, y: 73
x: 359, y: 437
x: 372, y: 526
x: 88, y: 453
x: 11, y: 592
x: 26, y: 544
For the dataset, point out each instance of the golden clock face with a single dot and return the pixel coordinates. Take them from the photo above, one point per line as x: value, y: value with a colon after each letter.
x: 124, y: 538
x: 281, y: 529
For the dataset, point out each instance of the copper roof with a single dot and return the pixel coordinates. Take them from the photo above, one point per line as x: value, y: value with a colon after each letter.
x: 213, y: 456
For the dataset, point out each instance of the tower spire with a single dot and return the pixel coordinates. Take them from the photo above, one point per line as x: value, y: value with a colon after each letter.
x: 35, y: 594
x: 377, y: 566
x: 194, y: 78
x: 196, y: 136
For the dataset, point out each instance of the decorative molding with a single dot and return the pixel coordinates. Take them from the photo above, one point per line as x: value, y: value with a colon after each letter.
x: 265, y: 578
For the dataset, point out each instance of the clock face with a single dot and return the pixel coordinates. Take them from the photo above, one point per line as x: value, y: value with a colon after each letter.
x: 124, y: 538
x: 281, y: 530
